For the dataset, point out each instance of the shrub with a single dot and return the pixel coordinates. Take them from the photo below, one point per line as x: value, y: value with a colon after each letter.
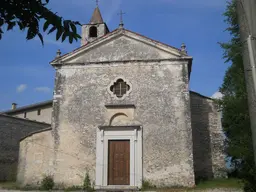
x: 147, y: 185
x: 87, y: 183
x: 47, y: 183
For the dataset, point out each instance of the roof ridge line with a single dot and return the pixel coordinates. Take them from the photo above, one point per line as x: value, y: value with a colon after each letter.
x: 28, y: 106
x: 116, y: 31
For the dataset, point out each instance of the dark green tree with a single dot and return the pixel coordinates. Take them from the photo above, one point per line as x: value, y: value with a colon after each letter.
x: 27, y: 14
x: 236, y: 120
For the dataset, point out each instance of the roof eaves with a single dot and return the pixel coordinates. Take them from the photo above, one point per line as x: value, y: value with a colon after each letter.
x: 35, y: 132
x: 79, y: 48
x: 22, y: 119
x: 153, y: 40
x: 111, y: 33
x: 200, y: 95
x: 45, y: 103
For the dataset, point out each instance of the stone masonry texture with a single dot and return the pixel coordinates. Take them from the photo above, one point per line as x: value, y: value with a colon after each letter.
x: 208, y: 138
x: 12, y: 129
x: 160, y: 95
x: 35, y: 158
x: 167, y: 141
x: 83, y: 94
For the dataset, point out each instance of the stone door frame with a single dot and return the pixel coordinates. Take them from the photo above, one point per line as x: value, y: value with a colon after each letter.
x: 106, y: 133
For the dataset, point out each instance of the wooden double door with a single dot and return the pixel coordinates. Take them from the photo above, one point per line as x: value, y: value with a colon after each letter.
x: 119, y: 162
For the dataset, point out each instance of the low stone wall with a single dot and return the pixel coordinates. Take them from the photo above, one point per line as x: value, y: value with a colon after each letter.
x: 35, y: 158
x: 12, y: 129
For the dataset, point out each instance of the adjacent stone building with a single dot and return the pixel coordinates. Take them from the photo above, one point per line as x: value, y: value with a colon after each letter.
x: 123, y: 112
x: 12, y: 129
x: 208, y: 137
x: 41, y: 112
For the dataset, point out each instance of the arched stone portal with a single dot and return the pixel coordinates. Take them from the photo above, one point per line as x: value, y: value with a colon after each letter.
x: 119, y: 141
x: 108, y: 134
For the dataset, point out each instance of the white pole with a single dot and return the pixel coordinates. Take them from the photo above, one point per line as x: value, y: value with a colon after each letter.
x: 252, y: 60
x: 252, y: 65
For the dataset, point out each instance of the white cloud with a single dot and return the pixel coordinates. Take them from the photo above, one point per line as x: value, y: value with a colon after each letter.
x: 43, y: 89
x: 21, y: 88
x: 217, y: 95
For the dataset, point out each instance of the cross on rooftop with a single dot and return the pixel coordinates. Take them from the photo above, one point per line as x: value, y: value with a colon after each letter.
x: 121, y: 18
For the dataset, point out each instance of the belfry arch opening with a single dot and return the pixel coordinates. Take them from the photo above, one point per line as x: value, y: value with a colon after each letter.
x: 93, y: 32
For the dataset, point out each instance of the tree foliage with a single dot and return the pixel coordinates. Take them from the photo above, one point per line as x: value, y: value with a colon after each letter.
x: 27, y: 14
x: 236, y: 121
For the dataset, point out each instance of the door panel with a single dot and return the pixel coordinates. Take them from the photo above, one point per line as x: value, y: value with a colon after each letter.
x: 118, y: 162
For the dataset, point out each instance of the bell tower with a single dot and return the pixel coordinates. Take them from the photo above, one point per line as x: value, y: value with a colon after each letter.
x: 95, y: 29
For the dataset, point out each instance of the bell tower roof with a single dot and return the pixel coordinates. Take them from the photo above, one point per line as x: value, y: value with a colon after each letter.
x: 96, y: 16
x: 95, y: 29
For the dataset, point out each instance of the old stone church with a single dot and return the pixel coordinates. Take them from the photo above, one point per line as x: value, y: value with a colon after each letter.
x: 122, y: 111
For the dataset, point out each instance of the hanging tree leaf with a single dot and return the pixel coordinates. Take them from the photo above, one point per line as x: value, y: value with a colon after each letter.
x: 27, y: 14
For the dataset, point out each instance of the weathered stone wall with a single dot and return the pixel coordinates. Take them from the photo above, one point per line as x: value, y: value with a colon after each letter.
x: 12, y: 129
x: 32, y: 112
x: 101, y: 30
x: 45, y: 116
x: 208, y: 138
x: 160, y: 95
x: 35, y: 158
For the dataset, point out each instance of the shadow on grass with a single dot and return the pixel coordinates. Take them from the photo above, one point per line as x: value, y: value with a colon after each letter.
x: 9, y: 185
x: 220, y: 183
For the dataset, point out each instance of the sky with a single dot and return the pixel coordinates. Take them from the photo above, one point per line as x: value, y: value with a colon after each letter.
x: 27, y: 77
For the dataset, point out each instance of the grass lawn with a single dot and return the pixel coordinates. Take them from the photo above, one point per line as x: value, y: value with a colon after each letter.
x: 220, y: 183
x: 8, y: 185
x: 217, y: 183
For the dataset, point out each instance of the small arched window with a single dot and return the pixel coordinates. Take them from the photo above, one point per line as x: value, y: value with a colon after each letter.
x: 120, y: 88
x: 93, y: 32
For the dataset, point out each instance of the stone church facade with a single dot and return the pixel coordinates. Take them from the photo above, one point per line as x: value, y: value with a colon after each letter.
x: 123, y: 112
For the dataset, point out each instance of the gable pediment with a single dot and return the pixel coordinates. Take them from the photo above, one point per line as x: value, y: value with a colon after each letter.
x: 121, y: 46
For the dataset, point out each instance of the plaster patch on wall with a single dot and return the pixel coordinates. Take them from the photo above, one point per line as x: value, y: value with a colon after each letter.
x: 67, y: 73
x: 38, y: 157
x: 160, y: 73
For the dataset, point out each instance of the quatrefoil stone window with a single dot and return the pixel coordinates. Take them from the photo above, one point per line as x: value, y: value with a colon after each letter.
x: 120, y: 88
